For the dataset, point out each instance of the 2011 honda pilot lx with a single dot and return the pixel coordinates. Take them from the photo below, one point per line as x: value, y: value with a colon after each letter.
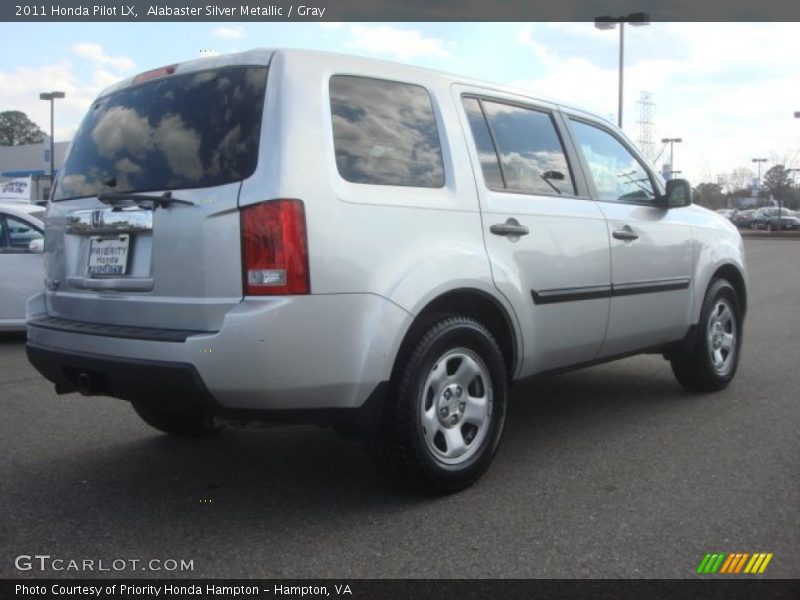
x: 286, y: 234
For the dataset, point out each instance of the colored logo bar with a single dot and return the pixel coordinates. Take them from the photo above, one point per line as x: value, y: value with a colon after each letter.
x: 735, y: 563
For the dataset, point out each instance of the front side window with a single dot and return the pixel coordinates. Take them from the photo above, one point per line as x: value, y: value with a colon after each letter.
x: 384, y: 133
x: 183, y: 131
x: 531, y: 155
x: 618, y: 175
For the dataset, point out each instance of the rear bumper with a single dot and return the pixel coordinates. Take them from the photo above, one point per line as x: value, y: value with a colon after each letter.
x: 272, y: 356
x: 175, y: 386
x: 178, y: 386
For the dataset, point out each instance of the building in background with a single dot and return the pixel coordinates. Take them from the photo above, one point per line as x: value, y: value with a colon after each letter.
x: 31, y: 160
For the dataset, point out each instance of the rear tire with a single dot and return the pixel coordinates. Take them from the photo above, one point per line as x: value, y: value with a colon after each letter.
x: 444, y: 416
x: 177, y: 423
x: 711, y: 363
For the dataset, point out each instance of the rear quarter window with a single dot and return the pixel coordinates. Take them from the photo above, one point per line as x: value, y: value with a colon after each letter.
x: 385, y: 133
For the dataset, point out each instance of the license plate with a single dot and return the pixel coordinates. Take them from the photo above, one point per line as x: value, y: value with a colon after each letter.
x: 109, y: 255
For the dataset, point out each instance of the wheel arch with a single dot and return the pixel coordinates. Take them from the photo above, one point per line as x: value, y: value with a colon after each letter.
x: 470, y: 302
x: 731, y: 273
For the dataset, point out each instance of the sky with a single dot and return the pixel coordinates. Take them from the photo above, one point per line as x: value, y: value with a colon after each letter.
x: 729, y: 90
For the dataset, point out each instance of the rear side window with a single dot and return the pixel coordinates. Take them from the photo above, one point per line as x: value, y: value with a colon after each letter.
x: 183, y: 131
x: 483, y: 142
x: 617, y: 173
x: 384, y: 133
x: 531, y: 154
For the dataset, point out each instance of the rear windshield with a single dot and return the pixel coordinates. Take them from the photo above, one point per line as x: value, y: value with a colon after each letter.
x: 187, y: 131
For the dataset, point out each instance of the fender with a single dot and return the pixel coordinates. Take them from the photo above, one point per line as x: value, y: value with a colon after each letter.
x: 466, y: 268
x: 715, y: 246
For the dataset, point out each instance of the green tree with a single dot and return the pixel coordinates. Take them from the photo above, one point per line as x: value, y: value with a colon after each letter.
x: 710, y: 195
x: 778, y: 182
x: 16, y: 129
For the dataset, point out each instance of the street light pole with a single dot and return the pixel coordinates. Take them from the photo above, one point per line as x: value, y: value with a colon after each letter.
x: 52, y: 97
x: 759, y: 162
x: 606, y: 22
x: 671, y: 142
x: 621, y: 72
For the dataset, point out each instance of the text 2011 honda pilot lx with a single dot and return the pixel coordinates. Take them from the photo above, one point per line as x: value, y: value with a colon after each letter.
x: 285, y: 234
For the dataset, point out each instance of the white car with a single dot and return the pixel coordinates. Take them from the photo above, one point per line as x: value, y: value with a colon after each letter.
x: 21, y: 270
x: 287, y: 234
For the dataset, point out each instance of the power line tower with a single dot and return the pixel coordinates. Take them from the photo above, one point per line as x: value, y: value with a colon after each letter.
x: 647, y: 128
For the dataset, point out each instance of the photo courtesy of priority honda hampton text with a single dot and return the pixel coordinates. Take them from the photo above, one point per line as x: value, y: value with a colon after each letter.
x: 311, y: 237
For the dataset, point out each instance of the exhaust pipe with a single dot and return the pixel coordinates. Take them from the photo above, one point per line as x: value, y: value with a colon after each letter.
x: 84, y: 382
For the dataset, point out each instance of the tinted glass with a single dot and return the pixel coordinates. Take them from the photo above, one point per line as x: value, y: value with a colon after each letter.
x: 530, y: 150
x: 617, y: 174
x: 185, y: 131
x: 385, y: 133
x: 483, y: 142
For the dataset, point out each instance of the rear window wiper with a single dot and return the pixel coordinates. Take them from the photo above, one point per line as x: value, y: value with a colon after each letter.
x: 164, y: 200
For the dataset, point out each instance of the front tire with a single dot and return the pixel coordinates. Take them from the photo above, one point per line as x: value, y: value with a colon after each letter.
x: 711, y: 362
x: 445, y: 414
x: 177, y: 423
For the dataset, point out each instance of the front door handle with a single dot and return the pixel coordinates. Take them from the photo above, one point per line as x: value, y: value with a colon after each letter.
x: 510, y: 228
x: 626, y: 234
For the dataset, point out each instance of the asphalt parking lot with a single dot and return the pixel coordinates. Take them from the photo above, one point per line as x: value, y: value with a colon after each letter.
x: 614, y: 471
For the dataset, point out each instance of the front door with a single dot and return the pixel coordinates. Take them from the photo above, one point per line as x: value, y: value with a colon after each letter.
x: 651, y: 247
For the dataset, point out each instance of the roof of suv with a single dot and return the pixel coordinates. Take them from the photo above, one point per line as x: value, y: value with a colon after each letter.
x: 19, y: 209
x: 263, y: 56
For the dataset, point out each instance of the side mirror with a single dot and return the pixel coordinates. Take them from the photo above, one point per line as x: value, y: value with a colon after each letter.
x: 36, y: 246
x: 678, y: 194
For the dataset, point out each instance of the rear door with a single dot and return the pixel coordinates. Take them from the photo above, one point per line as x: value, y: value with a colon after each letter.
x: 170, y: 257
x: 651, y: 247
x: 547, y: 241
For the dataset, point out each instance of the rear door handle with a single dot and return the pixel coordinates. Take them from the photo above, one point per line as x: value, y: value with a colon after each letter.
x: 626, y: 234
x: 511, y: 228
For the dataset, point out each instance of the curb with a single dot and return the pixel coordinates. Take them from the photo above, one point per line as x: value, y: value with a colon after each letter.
x: 770, y: 235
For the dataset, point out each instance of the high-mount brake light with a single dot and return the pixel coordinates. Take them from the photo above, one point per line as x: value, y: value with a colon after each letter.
x: 155, y: 73
x: 275, y: 248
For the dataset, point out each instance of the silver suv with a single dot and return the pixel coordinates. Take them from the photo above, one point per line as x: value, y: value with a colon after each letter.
x: 284, y: 234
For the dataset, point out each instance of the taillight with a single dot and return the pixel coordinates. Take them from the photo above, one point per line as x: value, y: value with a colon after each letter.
x: 275, y: 248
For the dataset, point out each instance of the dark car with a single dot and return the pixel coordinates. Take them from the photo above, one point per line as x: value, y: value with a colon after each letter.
x: 748, y: 219
x: 776, y: 219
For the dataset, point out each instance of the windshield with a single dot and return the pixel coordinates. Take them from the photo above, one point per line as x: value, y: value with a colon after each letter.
x: 195, y: 130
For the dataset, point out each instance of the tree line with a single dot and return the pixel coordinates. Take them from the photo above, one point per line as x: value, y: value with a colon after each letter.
x: 777, y: 183
x: 17, y: 129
